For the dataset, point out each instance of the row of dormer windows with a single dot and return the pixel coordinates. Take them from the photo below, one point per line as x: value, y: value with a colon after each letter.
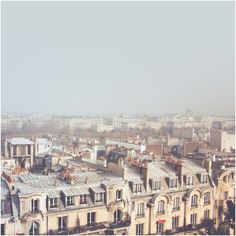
x: 99, y: 197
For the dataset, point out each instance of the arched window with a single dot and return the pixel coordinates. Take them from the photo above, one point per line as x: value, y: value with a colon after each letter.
x: 34, y: 229
x: 225, y: 179
x: 161, y: 207
x: 194, y: 200
x: 117, y: 216
x: 207, y: 198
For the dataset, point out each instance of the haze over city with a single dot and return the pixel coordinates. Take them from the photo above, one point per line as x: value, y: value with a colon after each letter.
x: 112, y: 57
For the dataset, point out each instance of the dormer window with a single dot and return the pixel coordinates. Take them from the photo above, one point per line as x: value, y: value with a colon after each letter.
x: 156, y: 185
x: 53, y: 203
x: 204, y: 179
x: 118, y: 194
x: 83, y: 199
x: 137, y: 188
x: 98, y: 194
x: 70, y: 201
x: 99, y: 197
x: 189, y: 180
x: 34, y: 205
x: 173, y: 183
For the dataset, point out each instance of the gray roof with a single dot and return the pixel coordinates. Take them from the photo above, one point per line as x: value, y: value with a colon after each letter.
x: 54, y: 194
x: 97, y: 189
x: 160, y: 169
x: 52, y: 184
x: 20, y: 141
x: 190, y: 167
x: 75, y: 191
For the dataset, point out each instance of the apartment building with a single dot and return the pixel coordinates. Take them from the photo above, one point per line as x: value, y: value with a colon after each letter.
x: 121, y: 197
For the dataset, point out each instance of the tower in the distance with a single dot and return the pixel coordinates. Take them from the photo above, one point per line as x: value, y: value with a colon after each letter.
x: 189, y: 111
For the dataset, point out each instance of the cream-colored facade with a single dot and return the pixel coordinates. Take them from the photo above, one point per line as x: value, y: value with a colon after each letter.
x: 122, y: 198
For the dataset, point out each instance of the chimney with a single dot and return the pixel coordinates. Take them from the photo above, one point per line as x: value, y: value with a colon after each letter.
x: 145, y: 171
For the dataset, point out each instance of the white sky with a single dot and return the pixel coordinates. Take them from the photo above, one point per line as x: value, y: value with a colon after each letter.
x: 111, y: 57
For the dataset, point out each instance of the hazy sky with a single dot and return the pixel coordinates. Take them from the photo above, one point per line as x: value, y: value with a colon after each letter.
x: 104, y: 57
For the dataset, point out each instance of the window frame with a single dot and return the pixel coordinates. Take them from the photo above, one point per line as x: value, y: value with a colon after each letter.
x: 161, y: 207
x: 91, y: 215
x: 139, y: 229
x: 140, y: 209
x: 62, y: 223
x: 70, y: 200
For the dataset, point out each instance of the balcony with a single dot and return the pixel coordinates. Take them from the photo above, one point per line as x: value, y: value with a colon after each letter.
x: 175, y: 209
x: 161, y: 212
x: 207, y: 202
x: 140, y: 215
x: 78, y: 229
x: 194, y: 206
x: 120, y: 224
x: 90, y: 227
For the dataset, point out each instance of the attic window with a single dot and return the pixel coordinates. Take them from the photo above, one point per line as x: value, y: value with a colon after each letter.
x: 203, y: 179
x: 173, y: 183
x: 156, y: 185
x: 137, y: 188
x: 189, y: 180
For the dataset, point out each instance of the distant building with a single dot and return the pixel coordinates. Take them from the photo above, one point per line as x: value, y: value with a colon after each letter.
x: 184, y: 133
x: 42, y: 145
x: 21, y: 150
x: 222, y: 140
x: 189, y: 111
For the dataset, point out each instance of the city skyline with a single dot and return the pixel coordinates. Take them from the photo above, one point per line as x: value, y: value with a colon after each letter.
x: 93, y: 61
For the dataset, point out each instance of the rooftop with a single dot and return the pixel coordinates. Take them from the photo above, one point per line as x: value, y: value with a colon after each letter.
x: 20, y: 141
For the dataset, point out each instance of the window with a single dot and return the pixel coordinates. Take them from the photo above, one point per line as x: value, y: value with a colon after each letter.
x: 156, y: 185
x: 173, y: 183
x: 161, y: 207
x: 160, y: 227
x: 29, y: 149
x: 140, y: 209
x: 34, y: 229
x: 91, y: 218
x: 194, y: 200
x: 193, y: 219
x: 176, y: 203
x: 203, y: 179
x: 70, y: 201
x: 14, y: 150
x: 207, y: 198
x: 225, y: 179
x: 118, y: 194
x: 2, y: 207
x: 189, y: 181
x: 62, y: 223
x: 53, y: 202
x: 175, y: 222
x: 82, y: 199
x: 226, y: 195
x: 139, y: 229
x: 99, y: 197
x: 206, y: 214
x: 34, y: 205
x: 2, y: 229
x: 117, y: 215
x: 137, y: 188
